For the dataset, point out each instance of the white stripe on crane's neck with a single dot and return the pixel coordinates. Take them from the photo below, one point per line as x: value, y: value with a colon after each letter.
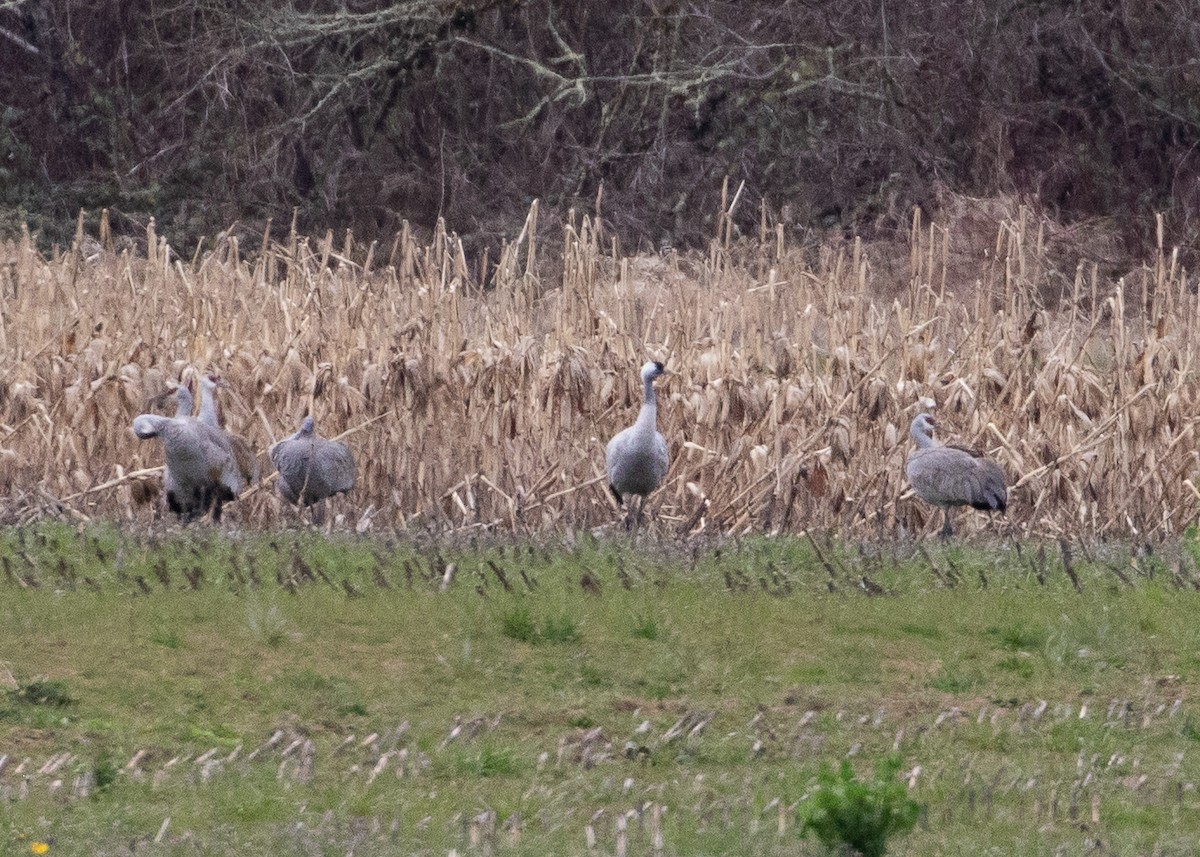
x: 184, y: 404
x: 208, y: 402
x: 648, y: 416
x: 650, y: 396
x: 647, y: 419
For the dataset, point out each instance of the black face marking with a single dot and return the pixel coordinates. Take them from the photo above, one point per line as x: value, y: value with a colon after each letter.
x: 658, y: 366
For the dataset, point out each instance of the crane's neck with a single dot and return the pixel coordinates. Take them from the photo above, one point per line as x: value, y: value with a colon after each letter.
x: 208, y: 407
x: 648, y: 415
x: 651, y: 397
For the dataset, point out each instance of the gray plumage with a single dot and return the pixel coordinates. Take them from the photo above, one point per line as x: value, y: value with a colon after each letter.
x: 312, y: 468
x: 636, y: 459
x: 208, y: 401
x: 243, y: 452
x: 184, y: 403
x: 200, y: 472
x: 949, y: 476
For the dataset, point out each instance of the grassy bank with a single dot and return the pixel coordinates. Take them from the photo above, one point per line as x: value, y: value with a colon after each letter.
x: 283, y: 693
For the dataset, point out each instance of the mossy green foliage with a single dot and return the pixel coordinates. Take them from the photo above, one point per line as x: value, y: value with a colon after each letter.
x: 860, y: 814
x: 42, y: 692
x: 715, y: 680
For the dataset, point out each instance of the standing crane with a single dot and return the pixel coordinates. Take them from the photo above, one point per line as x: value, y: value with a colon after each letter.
x: 312, y: 468
x: 949, y: 475
x: 637, y: 459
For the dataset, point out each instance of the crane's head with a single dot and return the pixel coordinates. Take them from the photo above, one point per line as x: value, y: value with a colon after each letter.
x: 306, y: 427
x: 653, y: 369
x: 922, y: 429
x: 147, y: 426
x: 210, y: 381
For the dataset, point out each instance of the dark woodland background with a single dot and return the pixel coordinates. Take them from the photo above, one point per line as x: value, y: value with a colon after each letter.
x: 839, y: 116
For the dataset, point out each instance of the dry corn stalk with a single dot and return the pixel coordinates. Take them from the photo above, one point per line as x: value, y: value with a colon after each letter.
x: 795, y: 376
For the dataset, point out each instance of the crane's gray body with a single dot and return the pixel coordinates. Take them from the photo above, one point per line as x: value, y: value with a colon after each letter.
x: 950, y: 476
x: 312, y: 468
x: 637, y: 459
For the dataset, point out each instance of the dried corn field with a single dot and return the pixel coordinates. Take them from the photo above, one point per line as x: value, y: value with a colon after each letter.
x: 795, y: 374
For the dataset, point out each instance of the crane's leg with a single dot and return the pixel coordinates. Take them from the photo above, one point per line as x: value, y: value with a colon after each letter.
x: 630, y: 515
x: 218, y: 497
x: 633, y: 513
x: 947, y: 530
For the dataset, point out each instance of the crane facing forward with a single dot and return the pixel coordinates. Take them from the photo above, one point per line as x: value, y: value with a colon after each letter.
x: 951, y: 475
x: 636, y: 459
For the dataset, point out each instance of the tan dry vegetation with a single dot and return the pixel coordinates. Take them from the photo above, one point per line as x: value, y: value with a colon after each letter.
x: 792, y: 389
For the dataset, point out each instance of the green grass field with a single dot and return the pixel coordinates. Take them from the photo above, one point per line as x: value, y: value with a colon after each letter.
x: 284, y: 693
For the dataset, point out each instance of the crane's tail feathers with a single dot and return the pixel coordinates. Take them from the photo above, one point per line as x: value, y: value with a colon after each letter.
x: 616, y: 493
